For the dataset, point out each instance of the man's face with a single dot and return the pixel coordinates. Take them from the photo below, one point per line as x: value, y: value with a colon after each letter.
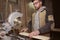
x: 37, y: 4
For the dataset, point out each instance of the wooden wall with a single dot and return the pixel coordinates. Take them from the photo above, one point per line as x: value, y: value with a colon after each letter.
x: 6, y: 7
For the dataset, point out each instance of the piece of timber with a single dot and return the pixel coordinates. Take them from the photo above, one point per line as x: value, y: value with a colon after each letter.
x: 41, y: 37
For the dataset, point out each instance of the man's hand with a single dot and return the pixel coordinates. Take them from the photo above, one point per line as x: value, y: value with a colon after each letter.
x: 34, y: 33
x: 24, y: 29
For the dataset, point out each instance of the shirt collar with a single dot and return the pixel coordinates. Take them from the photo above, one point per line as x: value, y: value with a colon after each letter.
x: 41, y: 8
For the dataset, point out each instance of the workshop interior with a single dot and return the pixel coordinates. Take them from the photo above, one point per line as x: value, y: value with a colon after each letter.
x: 17, y: 14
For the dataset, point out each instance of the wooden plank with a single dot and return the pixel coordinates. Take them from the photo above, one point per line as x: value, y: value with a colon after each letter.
x: 40, y: 37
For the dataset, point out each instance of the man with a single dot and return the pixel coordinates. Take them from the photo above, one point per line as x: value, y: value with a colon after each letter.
x: 40, y: 22
x: 39, y: 19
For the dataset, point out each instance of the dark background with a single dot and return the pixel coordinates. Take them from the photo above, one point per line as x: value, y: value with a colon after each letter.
x: 55, y: 35
x: 56, y: 12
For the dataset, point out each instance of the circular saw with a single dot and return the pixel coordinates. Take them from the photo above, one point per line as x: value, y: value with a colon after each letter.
x: 13, y: 17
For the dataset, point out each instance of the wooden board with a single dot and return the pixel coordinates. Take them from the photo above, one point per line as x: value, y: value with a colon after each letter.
x: 36, y: 37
